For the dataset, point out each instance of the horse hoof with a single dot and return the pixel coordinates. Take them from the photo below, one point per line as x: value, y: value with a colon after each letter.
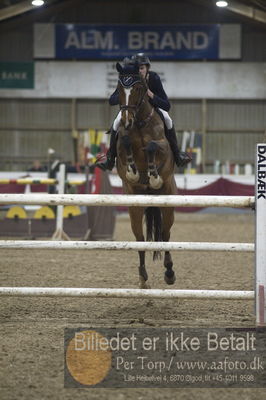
x: 131, y: 177
x: 169, y: 277
x: 156, y: 183
x: 143, y: 284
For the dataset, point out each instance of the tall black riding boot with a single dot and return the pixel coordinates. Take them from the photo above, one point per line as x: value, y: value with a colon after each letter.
x: 110, y: 155
x: 181, y: 158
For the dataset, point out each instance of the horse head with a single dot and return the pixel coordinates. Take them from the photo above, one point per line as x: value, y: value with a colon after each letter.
x: 132, y: 89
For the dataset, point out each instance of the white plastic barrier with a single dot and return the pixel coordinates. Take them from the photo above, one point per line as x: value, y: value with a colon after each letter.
x: 140, y: 246
x: 126, y: 293
x: 127, y: 200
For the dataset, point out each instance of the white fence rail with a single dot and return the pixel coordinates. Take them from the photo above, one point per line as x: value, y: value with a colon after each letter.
x: 140, y: 246
x: 126, y: 293
x: 128, y: 200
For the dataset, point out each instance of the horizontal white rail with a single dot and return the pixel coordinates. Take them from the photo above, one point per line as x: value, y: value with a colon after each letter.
x: 140, y: 246
x: 127, y: 200
x: 126, y: 293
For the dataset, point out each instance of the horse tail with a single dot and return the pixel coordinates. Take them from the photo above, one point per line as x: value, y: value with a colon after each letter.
x: 153, y: 218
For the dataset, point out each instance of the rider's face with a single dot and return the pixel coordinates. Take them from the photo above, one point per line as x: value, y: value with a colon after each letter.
x: 143, y: 69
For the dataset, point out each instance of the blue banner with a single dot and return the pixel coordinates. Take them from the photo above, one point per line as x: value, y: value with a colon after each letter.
x: 114, y: 42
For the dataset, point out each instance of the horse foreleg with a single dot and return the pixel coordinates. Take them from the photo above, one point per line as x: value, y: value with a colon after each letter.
x: 132, y: 173
x: 168, y: 220
x: 136, y: 217
x: 155, y: 180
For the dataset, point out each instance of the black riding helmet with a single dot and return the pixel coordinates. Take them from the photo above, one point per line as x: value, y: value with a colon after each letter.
x: 141, y: 59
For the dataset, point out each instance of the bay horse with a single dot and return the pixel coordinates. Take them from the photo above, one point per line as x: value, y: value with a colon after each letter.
x: 145, y: 164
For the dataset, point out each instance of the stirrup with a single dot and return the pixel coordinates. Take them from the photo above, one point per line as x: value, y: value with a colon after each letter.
x: 110, y: 131
x: 107, y: 165
x: 183, y: 159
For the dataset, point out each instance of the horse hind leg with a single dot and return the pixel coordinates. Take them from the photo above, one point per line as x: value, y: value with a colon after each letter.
x: 168, y: 220
x: 155, y: 180
x: 169, y: 275
x: 143, y: 276
x: 136, y: 216
x: 132, y: 173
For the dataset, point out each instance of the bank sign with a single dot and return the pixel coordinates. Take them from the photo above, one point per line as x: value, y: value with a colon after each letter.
x: 17, y: 75
x: 160, y: 42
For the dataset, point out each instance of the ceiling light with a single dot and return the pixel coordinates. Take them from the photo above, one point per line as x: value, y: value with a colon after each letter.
x: 37, y: 3
x: 221, y: 3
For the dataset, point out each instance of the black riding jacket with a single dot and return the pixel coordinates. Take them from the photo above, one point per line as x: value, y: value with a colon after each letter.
x: 160, y: 98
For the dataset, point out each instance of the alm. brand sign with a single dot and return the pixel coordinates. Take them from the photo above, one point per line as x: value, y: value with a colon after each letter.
x: 17, y: 75
x: 160, y: 42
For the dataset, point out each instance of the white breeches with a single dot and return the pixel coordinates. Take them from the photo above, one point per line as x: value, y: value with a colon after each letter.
x: 117, y: 121
x: 167, y: 119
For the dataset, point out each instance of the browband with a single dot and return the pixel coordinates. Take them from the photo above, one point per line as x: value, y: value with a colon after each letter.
x: 129, y: 80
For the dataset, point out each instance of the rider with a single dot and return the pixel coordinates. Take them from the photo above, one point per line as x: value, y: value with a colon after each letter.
x: 158, y: 99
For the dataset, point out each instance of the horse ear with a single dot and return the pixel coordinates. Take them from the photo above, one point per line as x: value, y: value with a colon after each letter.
x: 119, y: 68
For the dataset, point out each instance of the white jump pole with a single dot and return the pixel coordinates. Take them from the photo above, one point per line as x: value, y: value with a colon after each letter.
x: 59, y: 231
x: 61, y: 190
x: 260, y: 273
x: 128, y: 200
x: 139, y: 246
x: 126, y: 293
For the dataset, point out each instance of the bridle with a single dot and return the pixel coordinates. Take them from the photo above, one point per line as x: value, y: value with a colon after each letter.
x: 128, y: 81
